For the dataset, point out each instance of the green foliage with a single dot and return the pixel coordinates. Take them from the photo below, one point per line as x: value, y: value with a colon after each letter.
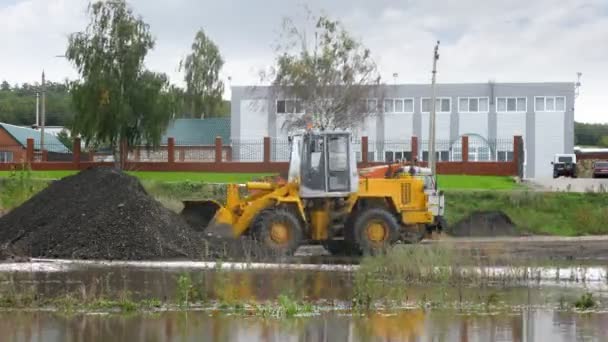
x: 585, y: 302
x: 118, y: 102
x: 565, y: 214
x: 332, y: 76
x: 18, y: 104
x: 286, y: 306
x: 66, y: 139
x: 187, y: 292
x: 202, y: 67
x: 586, y: 134
x: 184, y: 285
x: 18, y: 188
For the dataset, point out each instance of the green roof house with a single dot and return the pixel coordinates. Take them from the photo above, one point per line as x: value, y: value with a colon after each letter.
x: 13, y: 143
x: 194, y: 141
x: 198, y: 132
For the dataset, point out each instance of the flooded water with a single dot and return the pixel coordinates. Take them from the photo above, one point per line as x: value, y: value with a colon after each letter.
x: 412, y: 325
x: 528, y: 312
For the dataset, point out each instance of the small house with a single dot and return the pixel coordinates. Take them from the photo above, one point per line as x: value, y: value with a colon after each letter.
x: 13, y: 143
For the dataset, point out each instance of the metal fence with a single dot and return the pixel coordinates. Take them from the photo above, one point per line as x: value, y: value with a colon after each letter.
x: 187, y: 151
x: 248, y: 150
x: 280, y: 149
x: 480, y: 150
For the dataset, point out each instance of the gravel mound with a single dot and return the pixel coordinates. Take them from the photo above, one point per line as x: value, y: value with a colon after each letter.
x: 100, y: 213
x: 484, y: 224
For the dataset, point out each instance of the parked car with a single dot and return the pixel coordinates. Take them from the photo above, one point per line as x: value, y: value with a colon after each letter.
x: 600, y: 169
x: 564, y: 165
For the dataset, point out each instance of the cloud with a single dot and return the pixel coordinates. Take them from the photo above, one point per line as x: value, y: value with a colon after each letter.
x: 516, y: 40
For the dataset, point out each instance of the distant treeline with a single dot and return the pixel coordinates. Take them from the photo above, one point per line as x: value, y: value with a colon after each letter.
x: 591, y: 134
x: 18, y: 104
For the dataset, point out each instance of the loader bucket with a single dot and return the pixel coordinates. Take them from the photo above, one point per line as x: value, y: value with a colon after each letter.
x: 209, y: 217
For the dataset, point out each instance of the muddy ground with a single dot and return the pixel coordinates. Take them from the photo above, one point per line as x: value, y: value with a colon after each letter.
x: 587, y: 249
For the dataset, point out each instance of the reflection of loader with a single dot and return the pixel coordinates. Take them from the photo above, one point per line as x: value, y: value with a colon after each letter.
x: 324, y: 201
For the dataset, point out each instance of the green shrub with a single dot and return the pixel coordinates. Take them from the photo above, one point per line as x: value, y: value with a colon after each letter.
x: 586, y: 302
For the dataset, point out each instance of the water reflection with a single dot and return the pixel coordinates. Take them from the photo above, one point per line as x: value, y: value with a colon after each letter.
x: 415, y: 325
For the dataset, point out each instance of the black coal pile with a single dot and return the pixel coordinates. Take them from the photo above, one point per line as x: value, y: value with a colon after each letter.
x: 484, y: 224
x: 100, y: 213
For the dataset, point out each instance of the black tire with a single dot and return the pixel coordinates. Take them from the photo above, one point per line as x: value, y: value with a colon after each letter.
x: 339, y: 247
x: 291, y: 226
x: 362, y: 233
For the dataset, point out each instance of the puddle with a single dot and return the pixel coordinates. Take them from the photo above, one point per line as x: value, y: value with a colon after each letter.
x: 413, y: 325
x: 521, y: 312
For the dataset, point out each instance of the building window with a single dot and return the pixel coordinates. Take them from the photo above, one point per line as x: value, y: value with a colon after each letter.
x: 473, y: 104
x: 392, y: 156
x: 504, y: 156
x: 442, y: 105
x: 549, y: 104
x: 399, y: 105
x: 289, y: 107
x: 6, y: 157
x: 372, y: 105
x: 511, y: 105
x: 389, y: 106
x: 441, y: 155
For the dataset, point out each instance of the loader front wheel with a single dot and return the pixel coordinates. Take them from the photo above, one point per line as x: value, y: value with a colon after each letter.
x: 279, y: 230
x: 375, y: 230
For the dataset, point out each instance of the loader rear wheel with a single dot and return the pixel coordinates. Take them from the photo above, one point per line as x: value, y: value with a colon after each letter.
x: 278, y: 230
x: 375, y: 230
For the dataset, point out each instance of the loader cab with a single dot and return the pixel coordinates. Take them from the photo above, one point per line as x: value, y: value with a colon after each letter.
x: 327, y: 165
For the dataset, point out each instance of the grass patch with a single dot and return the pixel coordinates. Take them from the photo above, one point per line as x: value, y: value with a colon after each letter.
x: 18, y: 187
x: 556, y: 213
x: 208, y: 177
x: 446, y: 182
x: 465, y: 182
x: 585, y: 302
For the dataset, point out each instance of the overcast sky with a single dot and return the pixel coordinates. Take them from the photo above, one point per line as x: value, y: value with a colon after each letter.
x: 508, y: 40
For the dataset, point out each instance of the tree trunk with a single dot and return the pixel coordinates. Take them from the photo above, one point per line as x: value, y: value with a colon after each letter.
x: 124, y: 153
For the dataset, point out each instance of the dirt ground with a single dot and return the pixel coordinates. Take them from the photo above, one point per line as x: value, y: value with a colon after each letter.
x: 587, y: 249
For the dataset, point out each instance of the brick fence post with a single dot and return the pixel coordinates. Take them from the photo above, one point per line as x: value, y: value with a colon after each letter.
x: 171, y: 150
x: 364, y: 150
x: 414, y: 146
x: 218, y: 149
x: 517, y: 142
x: 29, y: 152
x: 45, y: 155
x: 465, y: 149
x: 266, y: 150
x: 76, y: 153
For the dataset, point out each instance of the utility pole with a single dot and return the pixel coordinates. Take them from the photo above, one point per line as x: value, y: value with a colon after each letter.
x: 37, y: 123
x: 432, y: 156
x: 42, y: 113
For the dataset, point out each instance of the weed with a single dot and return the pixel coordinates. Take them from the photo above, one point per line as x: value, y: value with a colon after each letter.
x: 491, y: 300
x: 186, y: 291
x: 18, y: 187
x: 585, y: 302
x: 563, y: 305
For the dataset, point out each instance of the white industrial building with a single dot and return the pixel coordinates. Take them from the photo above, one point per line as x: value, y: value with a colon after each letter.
x: 491, y: 114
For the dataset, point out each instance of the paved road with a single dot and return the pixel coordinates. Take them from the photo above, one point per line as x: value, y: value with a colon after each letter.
x: 569, y: 184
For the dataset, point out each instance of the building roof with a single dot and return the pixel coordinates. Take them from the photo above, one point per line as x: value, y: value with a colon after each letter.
x: 21, y: 134
x: 198, y: 131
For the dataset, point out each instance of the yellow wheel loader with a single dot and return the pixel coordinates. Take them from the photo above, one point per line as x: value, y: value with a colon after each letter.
x: 323, y: 201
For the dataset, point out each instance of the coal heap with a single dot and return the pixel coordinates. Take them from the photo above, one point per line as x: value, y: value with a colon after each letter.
x: 99, y: 213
